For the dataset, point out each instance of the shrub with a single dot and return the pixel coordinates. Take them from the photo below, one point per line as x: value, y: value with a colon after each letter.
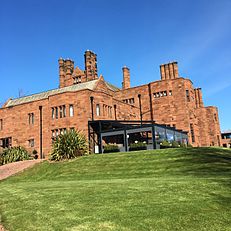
x: 14, y: 154
x: 183, y: 145
x: 138, y: 146
x: 165, y: 144
x: 175, y: 144
x: 68, y: 146
x: 111, y: 148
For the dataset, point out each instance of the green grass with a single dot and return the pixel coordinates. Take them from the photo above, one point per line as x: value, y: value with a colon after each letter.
x: 172, y: 189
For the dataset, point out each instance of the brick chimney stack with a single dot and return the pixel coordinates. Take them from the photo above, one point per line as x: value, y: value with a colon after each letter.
x: 66, y: 68
x: 69, y: 66
x: 169, y: 71
x: 198, y: 98
x: 126, y: 78
x: 90, y: 65
x: 61, y: 73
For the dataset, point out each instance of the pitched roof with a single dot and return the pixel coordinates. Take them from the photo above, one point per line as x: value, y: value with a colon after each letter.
x: 226, y: 131
x: 44, y: 95
x: 112, y: 87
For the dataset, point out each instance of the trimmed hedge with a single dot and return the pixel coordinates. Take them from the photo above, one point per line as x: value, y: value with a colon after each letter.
x: 173, y: 144
x: 138, y: 146
x: 111, y: 148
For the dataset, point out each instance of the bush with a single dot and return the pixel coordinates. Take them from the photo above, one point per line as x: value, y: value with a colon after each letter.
x: 68, y: 146
x: 165, y: 144
x: 14, y: 154
x: 111, y: 148
x: 175, y: 144
x: 138, y: 146
x: 183, y: 145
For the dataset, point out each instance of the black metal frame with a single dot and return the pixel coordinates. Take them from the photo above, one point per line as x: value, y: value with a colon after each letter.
x: 103, y: 128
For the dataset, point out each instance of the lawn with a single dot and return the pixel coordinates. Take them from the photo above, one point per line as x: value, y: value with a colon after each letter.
x: 171, y: 189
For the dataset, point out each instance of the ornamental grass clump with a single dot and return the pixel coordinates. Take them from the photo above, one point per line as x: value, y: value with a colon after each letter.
x: 14, y: 154
x: 68, y: 146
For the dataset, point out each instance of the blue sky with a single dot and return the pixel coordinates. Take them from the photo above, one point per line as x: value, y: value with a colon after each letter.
x: 139, y: 34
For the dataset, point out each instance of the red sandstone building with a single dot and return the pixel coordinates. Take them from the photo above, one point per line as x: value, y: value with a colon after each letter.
x: 226, y: 139
x: 35, y: 120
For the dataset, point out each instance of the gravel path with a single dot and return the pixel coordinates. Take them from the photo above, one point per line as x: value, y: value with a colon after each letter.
x: 13, y: 168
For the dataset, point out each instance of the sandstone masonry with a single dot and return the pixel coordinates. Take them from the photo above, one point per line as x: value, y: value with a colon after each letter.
x: 34, y: 121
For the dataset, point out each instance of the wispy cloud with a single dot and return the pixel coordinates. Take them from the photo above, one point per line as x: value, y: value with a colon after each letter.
x: 208, y: 33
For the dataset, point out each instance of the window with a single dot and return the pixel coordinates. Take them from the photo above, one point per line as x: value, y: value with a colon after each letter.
x: 192, y: 133
x: 72, y: 129
x: 53, y: 113
x: 110, y: 111
x: 31, y: 118
x: 71, y: 110
x: 61, y: 111
x: 64, y: 111
x: 160, y: 94
x: 56, y: 113
x: 170, y: 92
x: 6, y: 142
x: 97, y: 110
x: 54, y: 134
x: 130, y: 101
x: 77, y: 79
x: 187, y: 95
x: 215, y: 116
x: 31, y: 143
x: 62, y: 131
x: 1, y: 124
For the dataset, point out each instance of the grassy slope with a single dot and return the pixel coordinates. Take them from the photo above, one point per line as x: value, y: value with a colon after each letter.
x: 181, y: 189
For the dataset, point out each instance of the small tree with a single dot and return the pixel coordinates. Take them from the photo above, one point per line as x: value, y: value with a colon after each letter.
x: 69, y: 145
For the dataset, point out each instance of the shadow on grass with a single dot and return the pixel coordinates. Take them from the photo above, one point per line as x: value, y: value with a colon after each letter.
x: 210, y: 163
x: 207, y: 161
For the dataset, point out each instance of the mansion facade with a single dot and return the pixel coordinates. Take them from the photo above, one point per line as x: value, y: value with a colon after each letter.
x: 34, y: 121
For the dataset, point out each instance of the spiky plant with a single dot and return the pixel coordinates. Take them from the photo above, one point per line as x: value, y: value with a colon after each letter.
x: 14, y: 154
x: 68, y: 146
